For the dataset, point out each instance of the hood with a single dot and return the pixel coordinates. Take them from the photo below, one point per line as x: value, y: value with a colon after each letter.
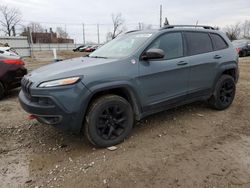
x: 66, y: 68
x: 4, y: 48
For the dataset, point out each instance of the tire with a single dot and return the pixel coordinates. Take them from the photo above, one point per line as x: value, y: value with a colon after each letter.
x: 2, y: 91
x: 109, y: 121
x: 224, y: 93
x: 243, y: 54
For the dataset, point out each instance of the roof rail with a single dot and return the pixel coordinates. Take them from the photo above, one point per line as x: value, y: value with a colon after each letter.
x: 195, y: 26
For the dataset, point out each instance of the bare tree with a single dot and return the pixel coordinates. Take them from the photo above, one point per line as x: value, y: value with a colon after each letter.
x: 216, y: 27
x: 10, y: 18
x: 61, y: 33
x: 246, y: 29
x: 143, y: 26
x: 233, y: 31
x: 118, y: 26
x: 35, y: 27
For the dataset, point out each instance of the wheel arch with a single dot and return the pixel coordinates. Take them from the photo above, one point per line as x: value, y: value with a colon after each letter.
x: 123, y: 90
x: 231, y: 70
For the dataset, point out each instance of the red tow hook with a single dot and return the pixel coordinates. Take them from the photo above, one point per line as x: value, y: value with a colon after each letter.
x: 31, y: 117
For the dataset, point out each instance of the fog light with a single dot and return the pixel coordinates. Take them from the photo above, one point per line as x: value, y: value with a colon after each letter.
x: 45, y: 101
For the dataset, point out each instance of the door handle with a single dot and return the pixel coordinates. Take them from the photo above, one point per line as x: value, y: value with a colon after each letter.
x: 182, y: 63
x: 217, y: 57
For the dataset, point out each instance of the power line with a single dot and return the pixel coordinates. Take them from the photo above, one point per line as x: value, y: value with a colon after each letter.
x: 77, y: 24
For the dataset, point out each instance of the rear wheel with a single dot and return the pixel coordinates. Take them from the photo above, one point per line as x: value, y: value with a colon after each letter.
x: 224, y: 93
x: 2, y: 91
x: 108, y: 121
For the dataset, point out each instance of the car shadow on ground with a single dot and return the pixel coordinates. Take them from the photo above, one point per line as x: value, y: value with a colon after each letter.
x: 54, y: 138
x: 49, y: 145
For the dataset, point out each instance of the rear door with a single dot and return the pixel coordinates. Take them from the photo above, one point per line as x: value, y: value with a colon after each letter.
x: 202, y: 61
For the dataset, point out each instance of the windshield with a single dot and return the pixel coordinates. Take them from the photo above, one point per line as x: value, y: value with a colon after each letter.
x: 122, y: 46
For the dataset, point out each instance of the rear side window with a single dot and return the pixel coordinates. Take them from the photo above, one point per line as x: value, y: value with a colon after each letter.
x: 198, y: 43
x: 218, y: 42
x: 171, y: 44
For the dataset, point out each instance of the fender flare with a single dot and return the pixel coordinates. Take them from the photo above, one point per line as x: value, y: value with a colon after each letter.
x: 222, y: 69
x: 123, y: 85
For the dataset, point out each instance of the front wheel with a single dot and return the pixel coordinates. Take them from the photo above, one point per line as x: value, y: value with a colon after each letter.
x: 109, y: 121
x: 224, y: 93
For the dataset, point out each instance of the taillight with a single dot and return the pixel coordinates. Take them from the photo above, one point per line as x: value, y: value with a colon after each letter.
x: 13, y: 61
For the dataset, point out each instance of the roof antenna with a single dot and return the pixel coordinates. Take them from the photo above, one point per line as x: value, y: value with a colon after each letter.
x: 166, y: 23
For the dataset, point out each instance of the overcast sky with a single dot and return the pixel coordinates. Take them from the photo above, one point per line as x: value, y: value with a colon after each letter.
x: 53, y: 13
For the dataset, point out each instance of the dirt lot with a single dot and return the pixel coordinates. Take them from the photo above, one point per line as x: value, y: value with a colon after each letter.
x: 191, y: 146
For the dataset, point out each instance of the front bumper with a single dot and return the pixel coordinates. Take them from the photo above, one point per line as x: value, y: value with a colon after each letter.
x: 64, y: 107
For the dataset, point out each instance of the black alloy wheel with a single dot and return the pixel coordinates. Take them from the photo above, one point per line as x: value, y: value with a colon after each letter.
x: 224, y: 93
x: 109, y: 121
x: 227, y: 92
x: 112, y: 122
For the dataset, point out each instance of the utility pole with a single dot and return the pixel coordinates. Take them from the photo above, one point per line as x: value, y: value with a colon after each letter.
x: 31, y: 42
x: 65, y: 29
x: 13, y: 31
x: 83, y: 34
x: 98, y: 34
x: 140, y: 25
x: 160, y: 16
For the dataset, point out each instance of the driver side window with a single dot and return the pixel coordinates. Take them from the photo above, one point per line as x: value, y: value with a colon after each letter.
x: 171, y: 44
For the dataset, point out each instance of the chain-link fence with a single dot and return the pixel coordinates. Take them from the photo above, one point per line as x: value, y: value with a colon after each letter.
x: 83, y: 33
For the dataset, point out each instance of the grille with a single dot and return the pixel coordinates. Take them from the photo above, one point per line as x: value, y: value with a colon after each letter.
x: 26, y: 84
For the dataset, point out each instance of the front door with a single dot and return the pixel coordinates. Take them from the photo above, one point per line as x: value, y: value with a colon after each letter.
x: 164, y: 80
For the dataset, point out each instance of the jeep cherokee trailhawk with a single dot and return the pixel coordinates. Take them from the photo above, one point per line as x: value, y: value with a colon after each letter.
x: 135, y: 75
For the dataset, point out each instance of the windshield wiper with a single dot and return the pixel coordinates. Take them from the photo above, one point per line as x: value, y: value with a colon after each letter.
x: 98, y: 57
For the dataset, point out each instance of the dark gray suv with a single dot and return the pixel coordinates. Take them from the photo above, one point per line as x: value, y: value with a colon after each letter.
x: 134, y: 75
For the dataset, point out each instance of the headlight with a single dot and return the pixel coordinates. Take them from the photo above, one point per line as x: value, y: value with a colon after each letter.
x: 60, y: 82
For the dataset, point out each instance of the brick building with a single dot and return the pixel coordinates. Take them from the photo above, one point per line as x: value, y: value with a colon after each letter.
x: 46, y: 37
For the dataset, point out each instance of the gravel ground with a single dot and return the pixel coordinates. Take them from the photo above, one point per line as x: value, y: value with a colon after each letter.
x: 190, y: 146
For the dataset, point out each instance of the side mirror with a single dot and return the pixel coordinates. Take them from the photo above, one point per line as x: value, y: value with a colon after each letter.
x: 153, y: 53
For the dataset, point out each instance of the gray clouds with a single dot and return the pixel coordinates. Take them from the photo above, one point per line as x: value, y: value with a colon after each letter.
x: 210, y: 12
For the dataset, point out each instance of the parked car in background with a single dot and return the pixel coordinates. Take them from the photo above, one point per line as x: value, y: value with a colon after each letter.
x: 96, y: 47
x: 8, y: 51
x: 91, y: 48
x: 79, y: 48
x: 242, y: 46
x: 12, y: 71
x: 84, y: 49
x: 133, y: 76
